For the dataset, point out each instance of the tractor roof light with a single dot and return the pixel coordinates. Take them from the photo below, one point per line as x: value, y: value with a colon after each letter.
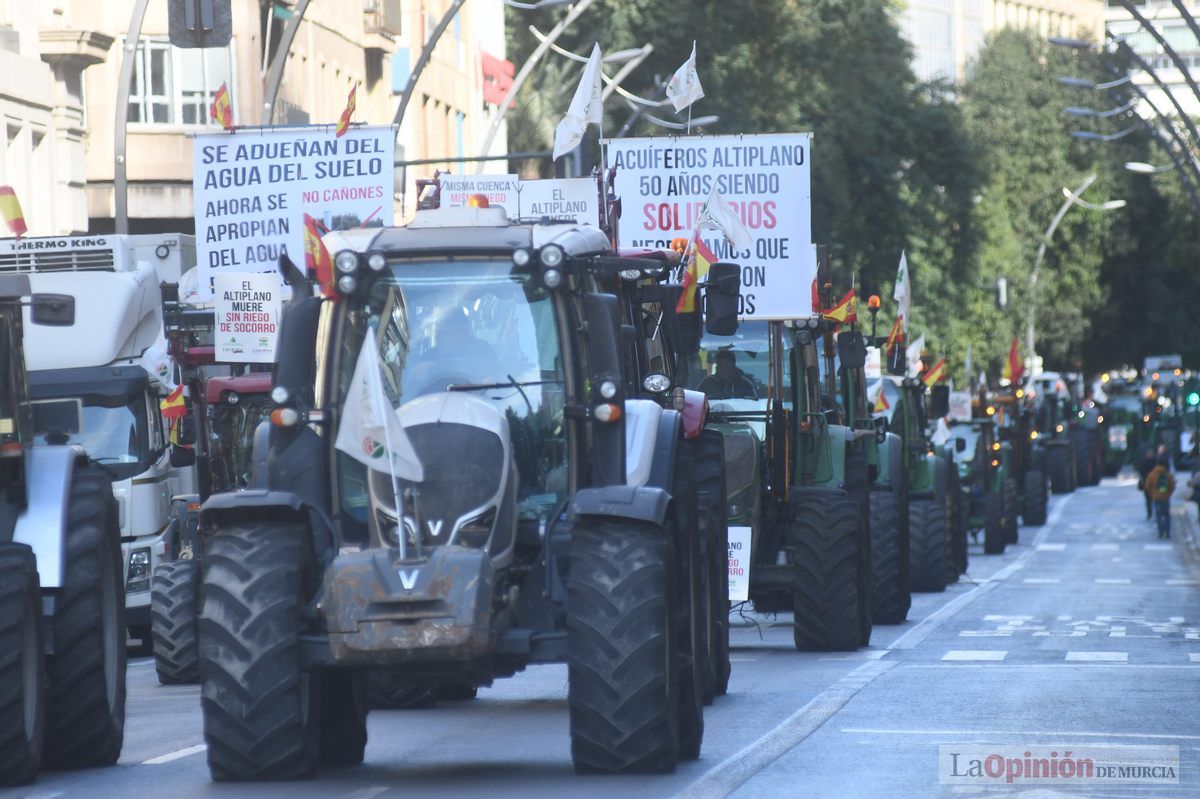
x: 347, y: 284
x: 521, y: 257
x: 551, y: 278
x: 873, y: 302
x: 552, y: 256
x: 991, y: 410
x: 478, y: 201
x: 376, y: 261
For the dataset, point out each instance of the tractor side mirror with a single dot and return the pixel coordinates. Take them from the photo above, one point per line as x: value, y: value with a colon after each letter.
x: 187, y: 431
x: 852, y: 349
x: 960, y: 445
x: 182, y: 457
x: 939, y: 401
x: 56, y: 310
x: 722, y: 299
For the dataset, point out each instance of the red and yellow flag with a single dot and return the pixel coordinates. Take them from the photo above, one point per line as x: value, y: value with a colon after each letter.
x: 343, y: 124
x: 845, y: 311
x: 880, y: 404
x: 1013, y: 368
x: 816, y: 298
x: 173, y: 406
x: 222, y: 109
x: 935, y: 374
x: 316, y: 257
x: 897, y: 335
x: 697, y: 269
x: 10, y: 209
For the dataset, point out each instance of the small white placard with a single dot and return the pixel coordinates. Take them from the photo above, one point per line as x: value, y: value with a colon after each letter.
x: 874, y: 365
x: 501, y: 191
x: 739, y: 564
x: 246, y: 308
x: 960, y: 405
x: 559, y: 198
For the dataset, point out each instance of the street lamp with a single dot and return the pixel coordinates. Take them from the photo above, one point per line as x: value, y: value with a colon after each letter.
x: 1079, y: 111
x: 1089, y: 135
x: 1072, y: 198
x: 538, y: 5
x: 1084, y: 83
x: 1142, y: 168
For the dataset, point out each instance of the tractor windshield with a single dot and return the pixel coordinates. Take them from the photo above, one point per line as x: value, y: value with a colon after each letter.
x: 477, y: 328
x: 736, y: 369
x: 969, y: 434
x: 113, y: 431
x: 234, y: 429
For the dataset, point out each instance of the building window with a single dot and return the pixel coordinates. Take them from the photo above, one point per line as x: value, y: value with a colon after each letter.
x: 171, y: 86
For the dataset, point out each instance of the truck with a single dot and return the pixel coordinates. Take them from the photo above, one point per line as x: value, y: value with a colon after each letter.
x: 456, y: 487
x: 100, y: 361
x: 62, y: 629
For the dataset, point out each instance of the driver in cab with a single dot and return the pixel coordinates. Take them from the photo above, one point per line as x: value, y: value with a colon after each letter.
x: 728, y: 381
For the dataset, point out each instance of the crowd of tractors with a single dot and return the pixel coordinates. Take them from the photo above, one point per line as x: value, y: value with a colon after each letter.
x: 484, y: 444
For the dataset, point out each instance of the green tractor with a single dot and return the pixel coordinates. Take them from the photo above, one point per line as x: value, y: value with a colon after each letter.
x: 1123, y: 416
x: 1053, y: 417
x: 794, y: 478
x: 990, y: 491
x: 1017, y: 428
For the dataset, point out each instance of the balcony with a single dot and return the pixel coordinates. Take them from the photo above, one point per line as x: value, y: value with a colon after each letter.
x: 383, y: 17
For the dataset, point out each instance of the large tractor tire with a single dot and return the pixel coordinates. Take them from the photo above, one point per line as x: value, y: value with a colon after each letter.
x: 1084, y: 463
x: 710, y: 483
x: 995, y: 528
x: 85, y: 710
x: 929, y: 545
x: 858, y: 486
x: 1012, y: 502
x: 173, y: 621
x: 390, y: 690
x: 622, y: 648
x: 343, y: 717
x: 697, y: 682
x: 1058, y: 467
x: 457, y: 691
x: 823, y: 533
x: 891, y: 595
x: 962, y: 551
x: 22, y: 669
x: 956, y: 533
x: 1034, y: 498
x: 261, y: 709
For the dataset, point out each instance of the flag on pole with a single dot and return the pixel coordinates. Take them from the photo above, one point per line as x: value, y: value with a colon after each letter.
x: 1013, y: 368
x: 935, y: 375
x: 719, y: 215
x: 845, y: 311
x: 878, y: 399
x: 901, y: 294
x: 221, y: 109
x: 343, y: 124
x: 10, y: 209
x: 369, y: 431
x: 316, y: 257
x: 173, y: 408
x: 684, y: 87
x: 896, y: 336
x: 912, y: 356
x: 587, y: 106
x: 697, y: 269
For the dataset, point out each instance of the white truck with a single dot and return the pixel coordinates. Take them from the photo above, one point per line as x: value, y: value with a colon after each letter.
x: 98, y: 361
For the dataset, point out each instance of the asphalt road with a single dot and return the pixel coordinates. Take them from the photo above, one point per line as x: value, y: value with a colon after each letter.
x: 1086, y: 634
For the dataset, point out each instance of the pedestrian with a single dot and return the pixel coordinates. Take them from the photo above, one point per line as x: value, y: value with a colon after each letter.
x: 1160, y: 484
x: 1145, y: 465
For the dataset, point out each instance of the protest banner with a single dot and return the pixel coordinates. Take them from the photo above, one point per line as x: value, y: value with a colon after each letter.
x: 246, y: 308
x: 663, y: 184
x: 253, y: 186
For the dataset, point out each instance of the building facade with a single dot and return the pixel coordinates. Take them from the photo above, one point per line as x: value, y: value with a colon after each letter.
x: 60, y: 66
x: 1167, y: 20
x: 946, y: 34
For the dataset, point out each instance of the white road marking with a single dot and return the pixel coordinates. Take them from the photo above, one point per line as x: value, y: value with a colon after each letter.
x: 1071, y: 734
x: 1157, y: 547
x: 975, y: 654
x: 49, y: 795
x: 1181, y: 582
x: 1194, y: 657
x: 1117, y: 634
x: 728, y: 775
x: 1041, y: 580
x: 1098, y: 657
x: 1176, y: 619
x: 1113, y: 581
x: 866, y: 654
x: 1064, y: 618
x: 993, y: 617
x: 367, y: 793
x: 1105, y: 547
x: 136, y: 663
x: 1051, y: 547
x: 176, y: 755
x: 740, y: 659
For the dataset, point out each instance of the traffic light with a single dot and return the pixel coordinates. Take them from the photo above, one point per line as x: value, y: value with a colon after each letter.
x: 1193, y: 398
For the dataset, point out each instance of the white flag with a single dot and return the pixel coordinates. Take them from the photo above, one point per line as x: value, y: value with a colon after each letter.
x: 370, y: 432
x: 719, y: 215
x: 587, y: 106
x: 684, y: 88
x: 902, y: 295
x: 912, y: 356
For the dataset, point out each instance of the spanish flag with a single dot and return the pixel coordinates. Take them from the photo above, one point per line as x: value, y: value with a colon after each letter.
x: 897, y: 335
x: 173, y: 407
x: 10, y: 209
x: 879, y: 402
x: 1013, y: 368
x: 316, y: 257
x: 343, y: 124
x: 222, y: 109
x: 697, y: 269
x: 936, y: 374
x: 845, y: 311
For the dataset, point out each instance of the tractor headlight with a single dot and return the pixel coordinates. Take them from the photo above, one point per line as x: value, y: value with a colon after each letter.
x: 376, y: 261
x: 608, y: 389
x: 137, y: 578
x: 521, y: 257
x: 280, y: 395
x: 477, y: 531
x: 552, y: 256
x: 551, y: 278
x: 346, y: 262
x: 347, y: 284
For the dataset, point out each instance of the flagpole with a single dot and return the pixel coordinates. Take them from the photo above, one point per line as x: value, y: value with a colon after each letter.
x: 384, y: 411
